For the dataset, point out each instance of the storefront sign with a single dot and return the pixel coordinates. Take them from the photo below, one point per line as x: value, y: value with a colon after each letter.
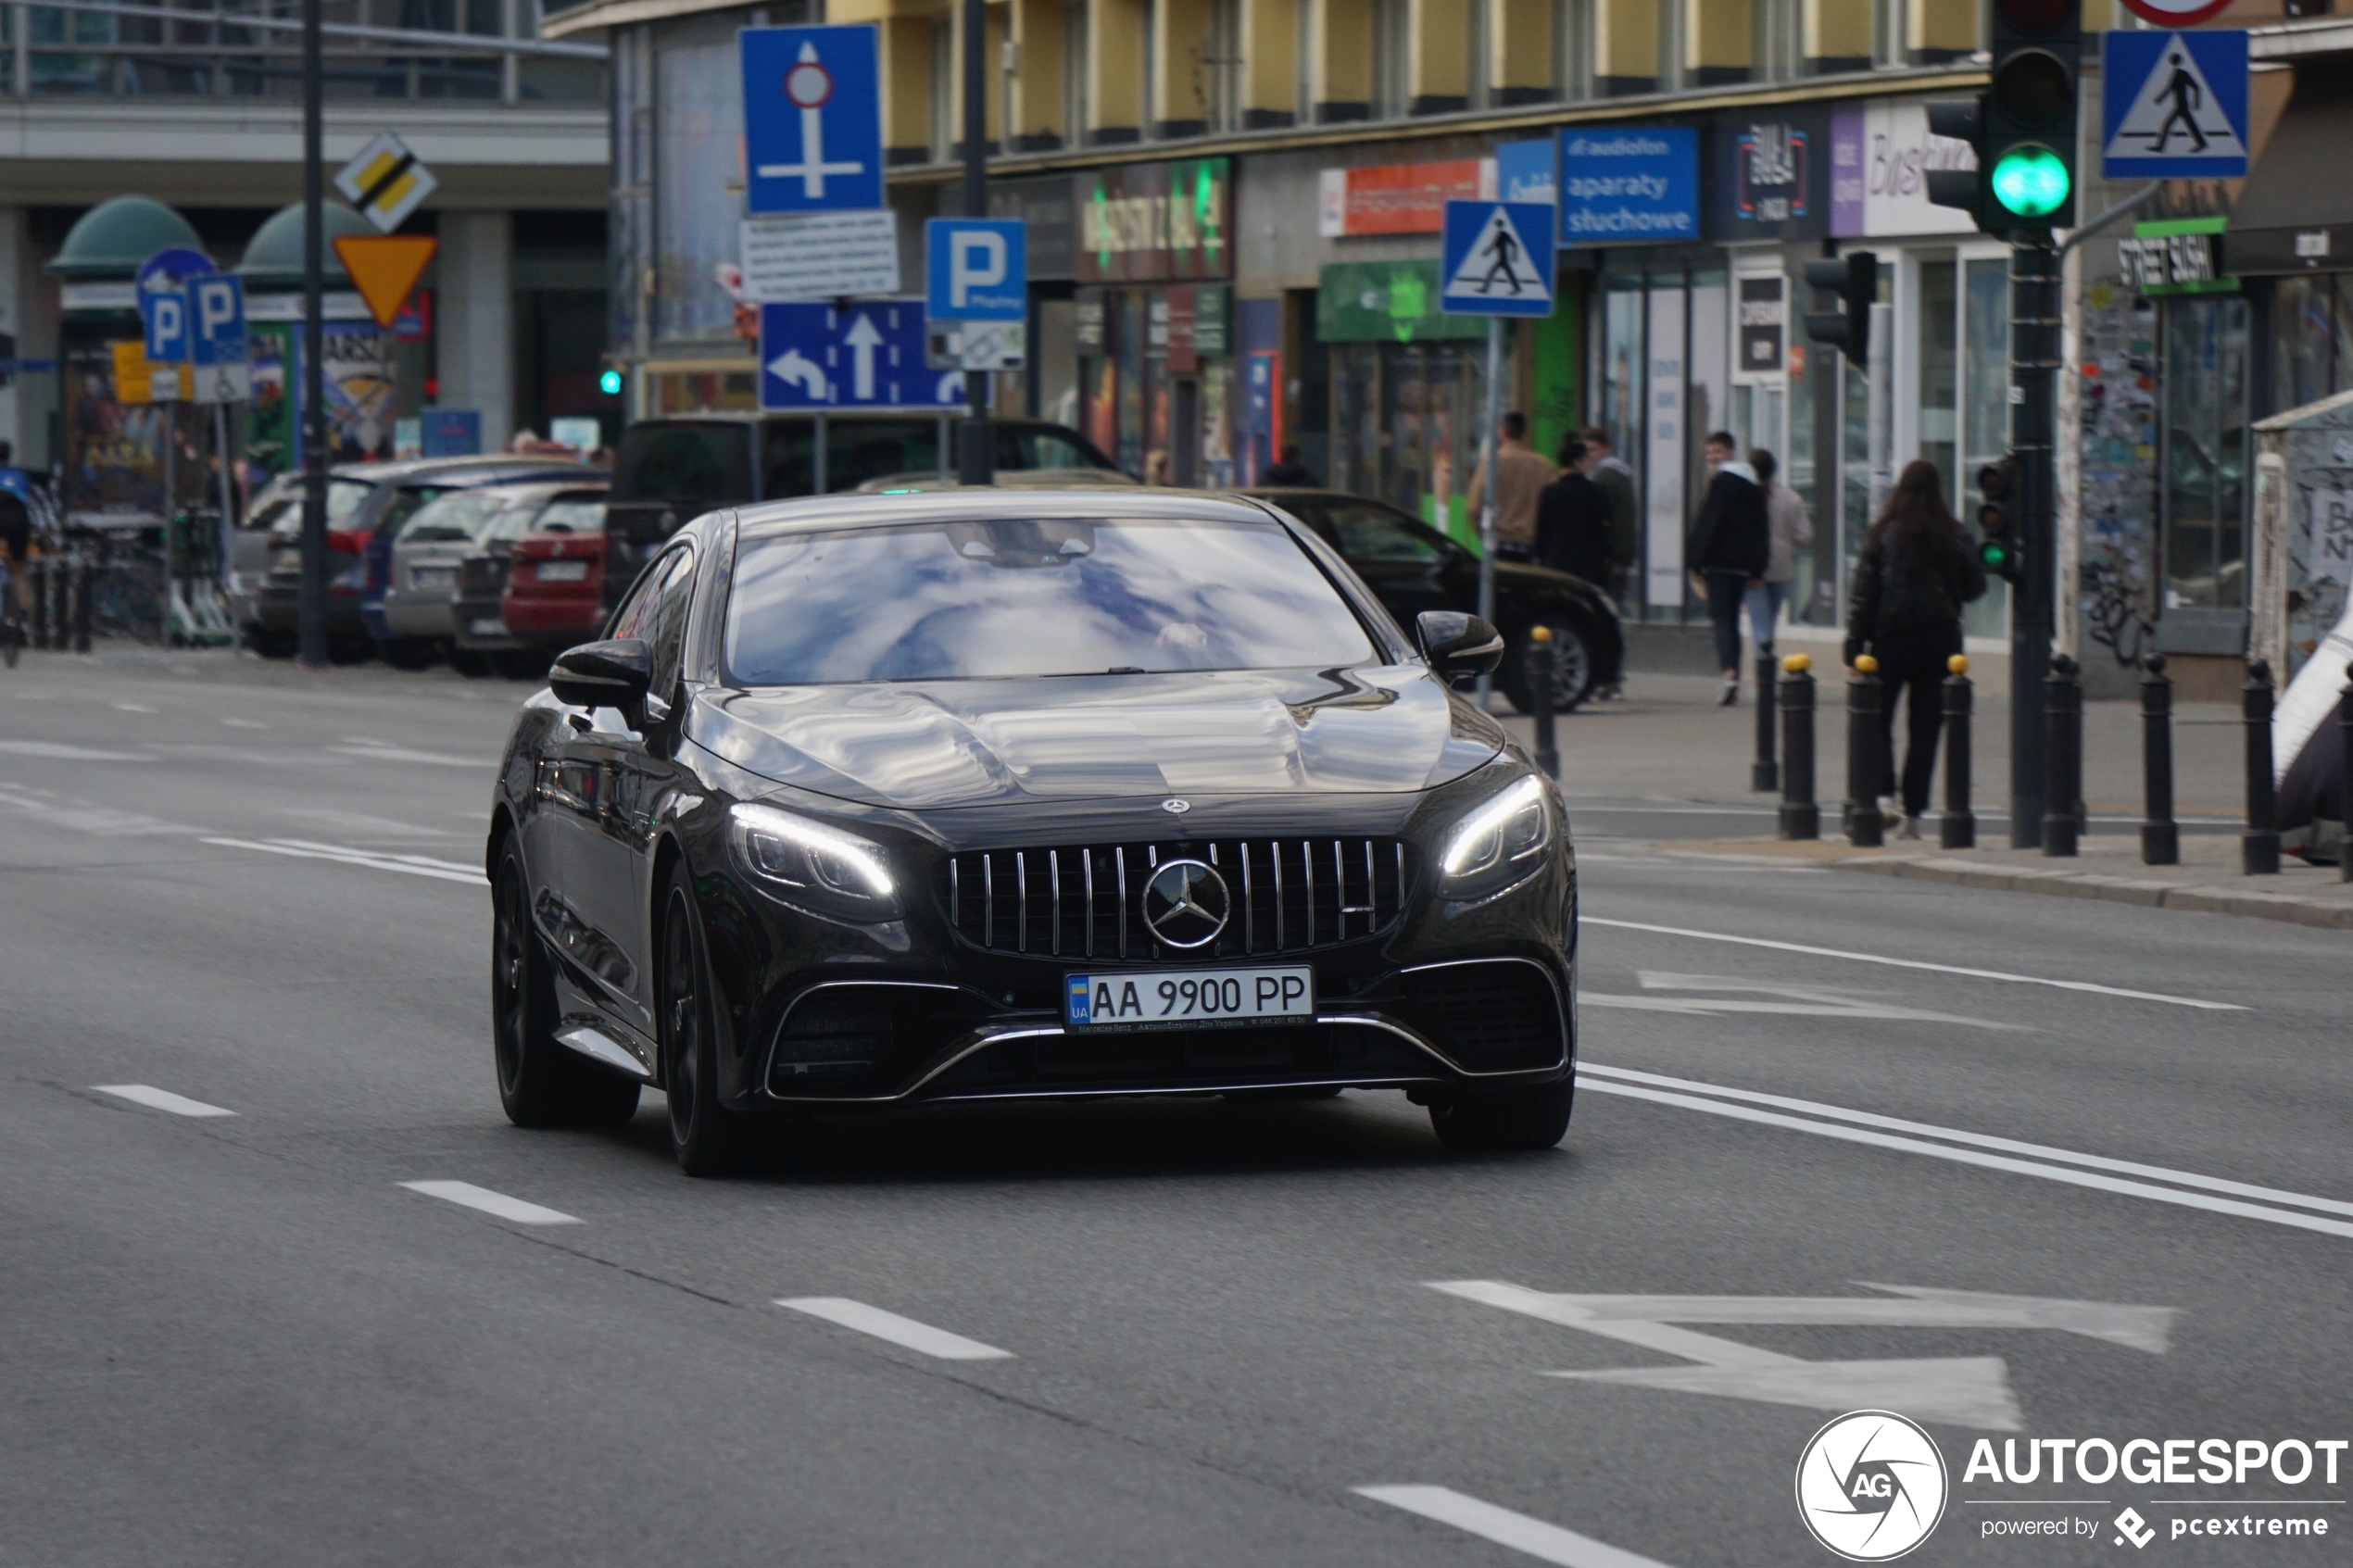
x: 1386, y: 302
x: 1764, y: 313
x: 1629, y: 184
x: 1087, y: 333
x: 1399, y: 198
x: 1213, y: 322
x: 1526, y: 171
x: 1148, y: 222
x: 1881, y: 155
x: 1772, y: 177
x: 2176, y: 255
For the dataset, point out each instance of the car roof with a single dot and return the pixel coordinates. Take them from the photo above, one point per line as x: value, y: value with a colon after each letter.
x: 476, y: 469
x: 1008, y: 479
x: 519, y: 492
x: 975, y: 503
x: 841, y: 416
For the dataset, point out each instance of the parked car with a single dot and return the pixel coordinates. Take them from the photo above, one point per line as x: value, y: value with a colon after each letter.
x: 272, y: 525
x: 1414, y: 568
x: 480, y: 637
x: 366, y: 502
x: 671, y: 471
x: 555, y: 594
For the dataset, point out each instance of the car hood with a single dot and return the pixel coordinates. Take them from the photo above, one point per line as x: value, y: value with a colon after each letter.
x: 932, y: 743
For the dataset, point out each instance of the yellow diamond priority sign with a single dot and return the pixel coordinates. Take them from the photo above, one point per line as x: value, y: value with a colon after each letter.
x: 385, y: 182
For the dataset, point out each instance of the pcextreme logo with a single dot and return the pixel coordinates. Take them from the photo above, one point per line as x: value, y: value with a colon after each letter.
x: 1871, y: 1486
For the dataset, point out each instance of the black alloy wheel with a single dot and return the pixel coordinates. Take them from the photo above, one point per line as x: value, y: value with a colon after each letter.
x: 1493, y: 1120
x: 540, y: 1083
x: 1572, y: 667
x: 709, y: 1139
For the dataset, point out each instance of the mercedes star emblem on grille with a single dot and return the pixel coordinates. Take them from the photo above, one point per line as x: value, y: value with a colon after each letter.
x: 1186, y: 904
x: 1176, y: 808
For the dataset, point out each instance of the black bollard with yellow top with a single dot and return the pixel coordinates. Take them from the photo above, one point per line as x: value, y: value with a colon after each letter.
x: 1958, y: 828
x: 1864, y: 829
x: 1539, y: 691
x: 1800, y: 816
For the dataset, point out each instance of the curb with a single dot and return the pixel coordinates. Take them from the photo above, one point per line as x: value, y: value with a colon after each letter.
x: 2200, y: 897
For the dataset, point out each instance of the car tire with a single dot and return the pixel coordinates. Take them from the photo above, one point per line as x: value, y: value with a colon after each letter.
x: 708, y: 1138
x: 271, y: 644
x: 1572, y: 667
x: 470, y: 663
x: 540, y: 1083
x: 1493, y: 1120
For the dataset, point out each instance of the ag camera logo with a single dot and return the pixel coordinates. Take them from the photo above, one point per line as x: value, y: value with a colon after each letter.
x: 1871, y: 1486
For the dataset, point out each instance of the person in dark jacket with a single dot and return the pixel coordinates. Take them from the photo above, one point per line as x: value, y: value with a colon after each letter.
x: 1732, y: 544
x: 1291, y: 470
x: 1573, y: 519
x: 1915, y: 571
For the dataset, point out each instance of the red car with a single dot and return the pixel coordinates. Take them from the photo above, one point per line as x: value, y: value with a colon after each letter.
x: 555, y: 596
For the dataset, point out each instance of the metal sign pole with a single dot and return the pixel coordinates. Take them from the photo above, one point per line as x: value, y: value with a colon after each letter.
x: 975, y: 454
x: 170, y: 484
x: 313, y: 397
x: 2033, y: 359
x: 1486, y: 502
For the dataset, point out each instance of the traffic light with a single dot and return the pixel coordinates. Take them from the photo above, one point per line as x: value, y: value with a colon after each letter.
x: 2030, y: 108
x: 2002, y: 544
x: 610, y: 382
x: 1854, y: 279
x: 1962, y: 120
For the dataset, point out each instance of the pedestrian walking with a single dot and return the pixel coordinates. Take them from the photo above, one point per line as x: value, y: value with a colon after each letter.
x: 1730, y: 549
x: 1616, y: 480
x: 1520, y: 478
x: 1787, y: 527
x: 1916, y: 570
x: 1572, y: 517
x: 1291, y: 470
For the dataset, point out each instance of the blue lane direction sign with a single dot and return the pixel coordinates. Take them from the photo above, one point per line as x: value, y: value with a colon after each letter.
x: 1489, y: 266
x: 2173, y: 105
x: 869, y: 356
x: 812, y: 119
x: 976, y: 269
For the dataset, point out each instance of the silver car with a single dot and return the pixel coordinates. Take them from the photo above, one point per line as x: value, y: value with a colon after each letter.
x: 430, y: 550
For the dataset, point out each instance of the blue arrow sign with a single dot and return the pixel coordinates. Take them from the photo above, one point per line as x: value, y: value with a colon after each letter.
x: 217, y: 310
x: 1498, y: 259
x: 2173, y: 105
x: 869, y: 356
x: 975, y: 269
x: 812, y: 119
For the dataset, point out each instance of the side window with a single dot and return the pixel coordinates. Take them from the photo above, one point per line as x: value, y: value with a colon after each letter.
x: 630, y: 620
x: 1371, y: 534
x: 666, y: 620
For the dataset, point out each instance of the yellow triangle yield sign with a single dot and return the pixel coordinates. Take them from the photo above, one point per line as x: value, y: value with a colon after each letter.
x: 384, y: 267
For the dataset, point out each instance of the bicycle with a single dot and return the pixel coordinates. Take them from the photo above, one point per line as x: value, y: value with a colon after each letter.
x: 12, y: 628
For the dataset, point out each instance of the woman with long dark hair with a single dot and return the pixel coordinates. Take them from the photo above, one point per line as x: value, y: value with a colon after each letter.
x: 1917, y: 569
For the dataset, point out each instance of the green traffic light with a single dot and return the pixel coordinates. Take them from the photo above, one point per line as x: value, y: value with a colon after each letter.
x: 609, y: 384
x: 1993, y: 555
x: 2031, y: 182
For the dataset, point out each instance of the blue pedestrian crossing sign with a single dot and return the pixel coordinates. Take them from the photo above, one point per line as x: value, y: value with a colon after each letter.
x: 1489, y: 265
x: 869, y: 356
x: 2173, y: 105
x: 975, y: 269
x: 812, y: 119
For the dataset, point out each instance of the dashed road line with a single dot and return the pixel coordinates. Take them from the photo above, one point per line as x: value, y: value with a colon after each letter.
x: 1522, y: 1533
x: 1917, y: 963
x: 412, y: 865
x: 161, y: 1099
x: 903, y: 1332
x: 468, y: 1196
x: 1728, y: 1102
x: 383, y: 751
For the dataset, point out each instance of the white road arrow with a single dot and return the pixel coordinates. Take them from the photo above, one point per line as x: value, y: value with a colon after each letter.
x: 1964, y: 1391
x: 792, y: 366
x: 863, y: 340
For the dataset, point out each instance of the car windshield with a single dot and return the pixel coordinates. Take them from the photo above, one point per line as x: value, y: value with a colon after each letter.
x: 1022, y: 597
x: 345, y: 497
x: 565, y: 514
x: 458, y: 515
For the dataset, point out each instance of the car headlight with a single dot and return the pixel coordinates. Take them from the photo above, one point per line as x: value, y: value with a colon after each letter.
x: 813, y: 866
x: 1501, y: 842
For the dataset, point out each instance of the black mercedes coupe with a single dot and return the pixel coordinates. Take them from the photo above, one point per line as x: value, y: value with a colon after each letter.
x: 870, y: 801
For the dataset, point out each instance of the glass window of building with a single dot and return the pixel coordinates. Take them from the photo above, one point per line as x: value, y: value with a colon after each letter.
x: 2202, y: 454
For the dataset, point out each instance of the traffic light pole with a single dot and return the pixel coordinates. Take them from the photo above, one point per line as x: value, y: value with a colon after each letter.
x: 974, y: 450
x: 2035, y: 342
x: 311, y: 609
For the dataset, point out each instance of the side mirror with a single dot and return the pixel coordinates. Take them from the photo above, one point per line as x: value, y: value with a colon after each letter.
x: 614, y: 673
x: 1460, y: 648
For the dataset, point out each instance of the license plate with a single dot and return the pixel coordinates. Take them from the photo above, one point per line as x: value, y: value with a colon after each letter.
x: 433, y: 577
x: 1189, y: 996
x: 486, y: 626
x: 564, y: 571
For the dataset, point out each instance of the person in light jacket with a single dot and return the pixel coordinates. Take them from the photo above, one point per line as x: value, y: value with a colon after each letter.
x: 1788, y: 527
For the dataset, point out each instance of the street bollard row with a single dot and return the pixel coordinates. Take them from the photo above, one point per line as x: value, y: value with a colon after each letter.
x: 1864, y: 829
x: 2160, y: 838
x: 2063, y: 757
x: 1959, y: 830
x: 1800, y: 816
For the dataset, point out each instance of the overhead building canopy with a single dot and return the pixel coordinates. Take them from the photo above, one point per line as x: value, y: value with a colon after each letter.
x: 2296, y: 212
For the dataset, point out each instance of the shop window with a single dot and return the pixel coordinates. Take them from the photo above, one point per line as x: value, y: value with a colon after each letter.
x: 1985, y: 410
x: 2312, y: 329
x: 2202, y: 454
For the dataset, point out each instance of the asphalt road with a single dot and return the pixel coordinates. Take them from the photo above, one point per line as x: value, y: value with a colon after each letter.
x: 240, y: 1338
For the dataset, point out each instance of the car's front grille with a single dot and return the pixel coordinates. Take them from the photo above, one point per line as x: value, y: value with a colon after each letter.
x: 1086, y: 901
x: 1489, y: 1016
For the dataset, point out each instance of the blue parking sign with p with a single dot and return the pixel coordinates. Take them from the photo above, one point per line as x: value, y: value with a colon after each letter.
x: 164, y: 315
x: 975, y: 269
x: 217, y: 311
x: 812, y: 119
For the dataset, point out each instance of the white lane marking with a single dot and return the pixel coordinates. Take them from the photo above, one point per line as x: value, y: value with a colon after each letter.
x: 245, y: 723
x: 58, y: 751
x: 1546, y: 1543
x: 161, y: 1099
x: 1989, y: 1161
x: 1981, y: 1140
x: 468, y: 1196
x: 412, y: 865
x: 1915, y: 963
x: 1809, y: 1001
x: 83, y: 817
x: 361, y: 821
x: 901, y: 1331
x: 134, y: 707
x: 381, y: 751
